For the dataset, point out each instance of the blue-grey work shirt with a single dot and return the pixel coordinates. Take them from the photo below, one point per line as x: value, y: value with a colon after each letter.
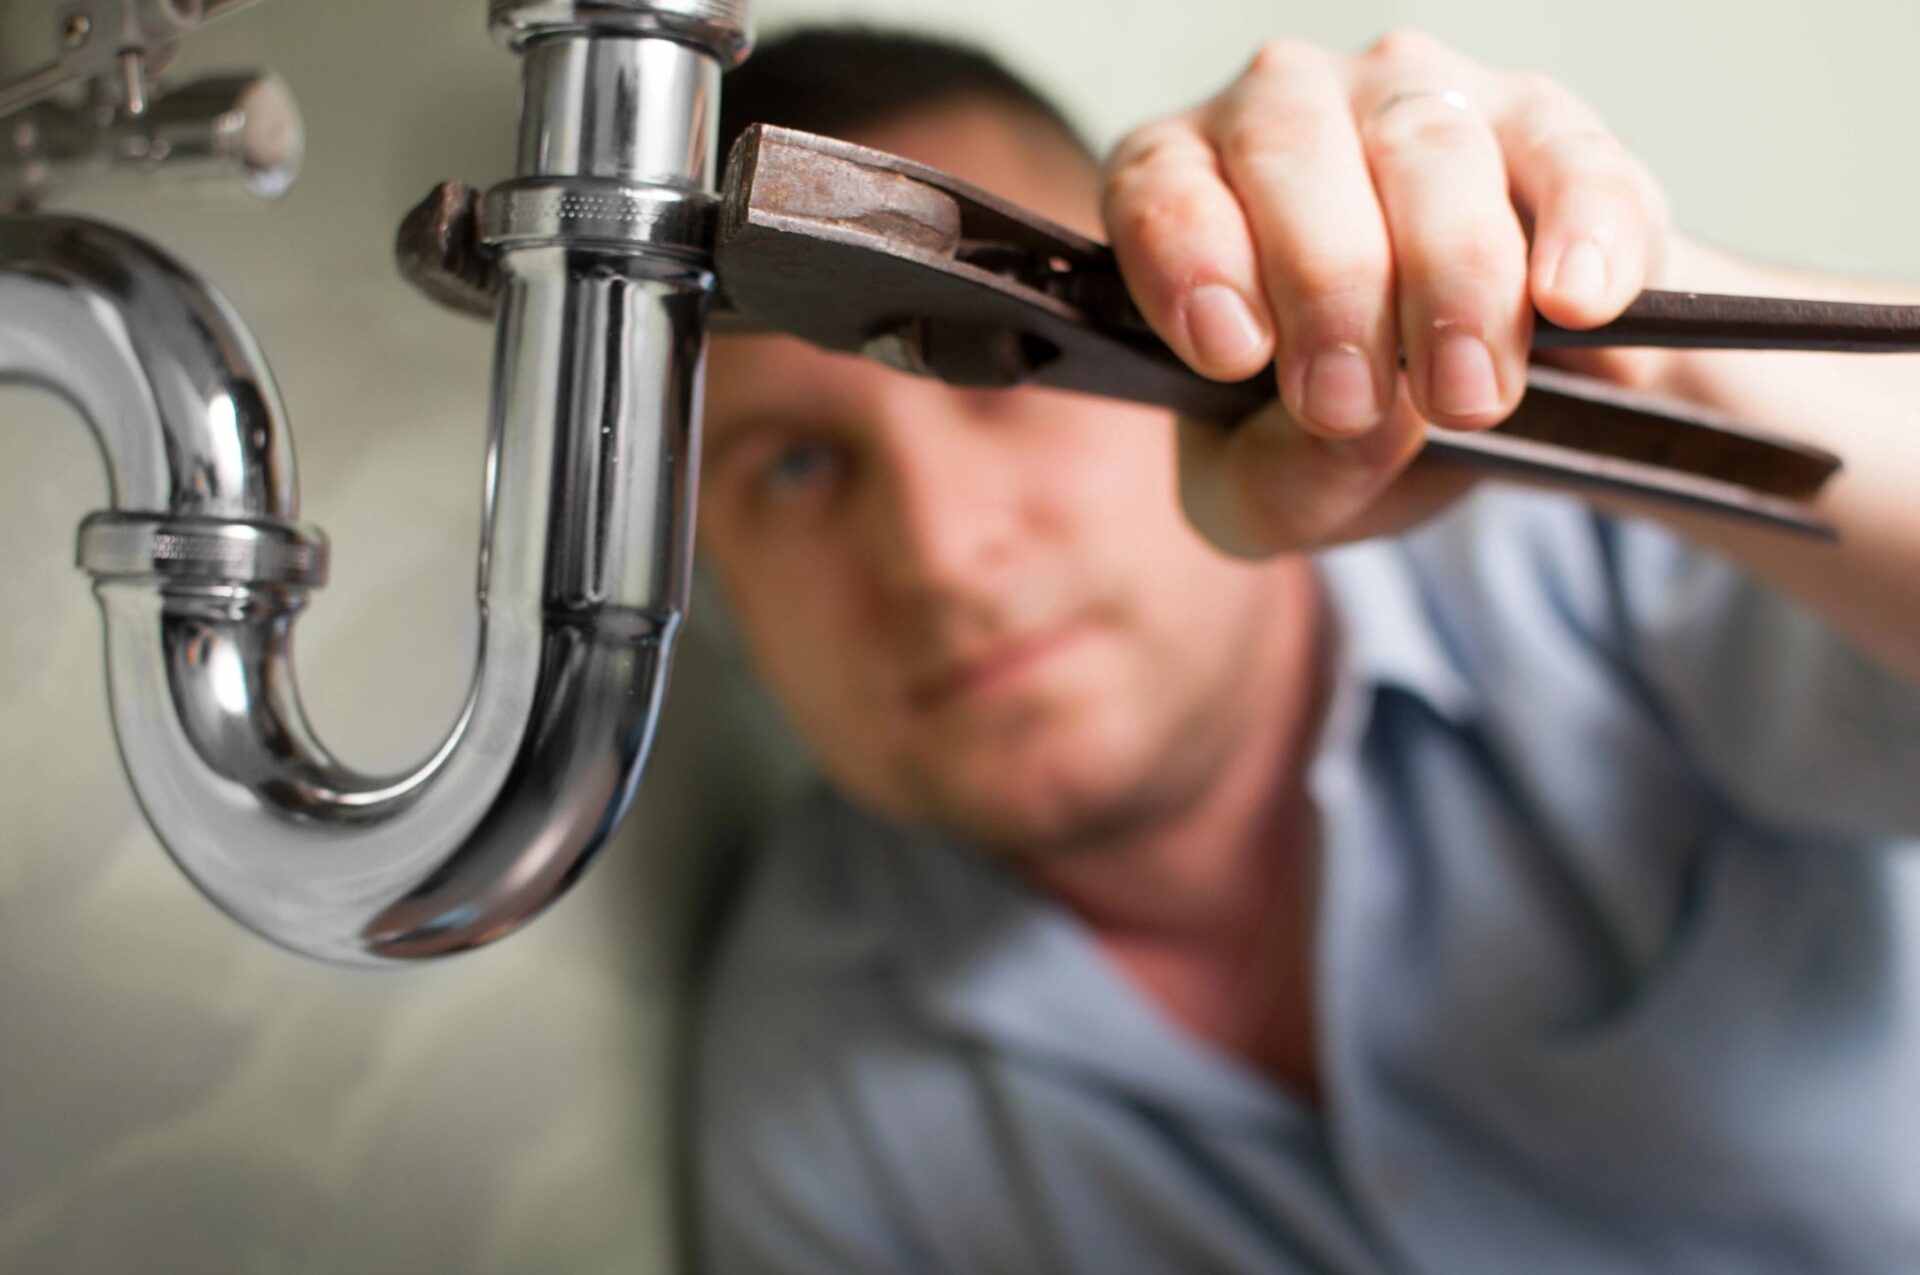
x: 1618, y: 970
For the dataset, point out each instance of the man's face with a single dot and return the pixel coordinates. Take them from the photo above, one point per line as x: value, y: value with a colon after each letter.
x: 981, y: 610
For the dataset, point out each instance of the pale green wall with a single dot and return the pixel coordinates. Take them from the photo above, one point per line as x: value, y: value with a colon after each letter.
x: 175, y: 1095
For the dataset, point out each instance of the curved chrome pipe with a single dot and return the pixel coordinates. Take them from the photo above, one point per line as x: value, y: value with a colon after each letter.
x: 201, y: 569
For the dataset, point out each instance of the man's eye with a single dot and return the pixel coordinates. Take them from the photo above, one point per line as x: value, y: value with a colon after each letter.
x: 801, y: 466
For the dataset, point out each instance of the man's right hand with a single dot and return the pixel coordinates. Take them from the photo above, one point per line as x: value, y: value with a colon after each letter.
x: 1331, y: 213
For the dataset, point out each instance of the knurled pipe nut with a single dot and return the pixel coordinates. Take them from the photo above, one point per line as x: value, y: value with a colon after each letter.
x: 115, y: 546
x: 640, y: 217
x: 721, y: 28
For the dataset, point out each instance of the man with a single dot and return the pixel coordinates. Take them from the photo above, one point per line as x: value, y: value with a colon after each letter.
x: 1518, y: 892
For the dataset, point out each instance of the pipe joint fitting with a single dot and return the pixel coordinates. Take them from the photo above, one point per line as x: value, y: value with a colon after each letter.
x: 582, y: 212
x: 719, y: 27
x: 201, y: 551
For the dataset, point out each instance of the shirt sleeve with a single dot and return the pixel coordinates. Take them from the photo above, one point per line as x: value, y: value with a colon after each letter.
x: 1792, y: 726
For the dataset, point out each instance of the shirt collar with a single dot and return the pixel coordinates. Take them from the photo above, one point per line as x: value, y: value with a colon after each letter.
x: 986, y: 957
x: 1389, y: 628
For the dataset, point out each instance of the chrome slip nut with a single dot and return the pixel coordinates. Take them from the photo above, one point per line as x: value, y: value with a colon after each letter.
x: 721, y: 28
x: 595, y: 212
x: 118, y: 546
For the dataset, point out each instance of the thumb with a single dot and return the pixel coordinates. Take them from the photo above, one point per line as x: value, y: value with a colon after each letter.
x: 1267, y: 486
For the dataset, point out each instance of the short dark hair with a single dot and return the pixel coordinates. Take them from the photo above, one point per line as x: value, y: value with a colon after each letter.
x: 835, y: 79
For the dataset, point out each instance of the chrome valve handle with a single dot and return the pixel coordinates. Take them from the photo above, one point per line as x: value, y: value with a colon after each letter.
x: 202, y: 567
x: 46, y: 46
x: 233, y: 125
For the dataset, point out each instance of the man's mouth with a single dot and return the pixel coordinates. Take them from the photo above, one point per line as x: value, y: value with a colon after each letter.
x: 997, y: 668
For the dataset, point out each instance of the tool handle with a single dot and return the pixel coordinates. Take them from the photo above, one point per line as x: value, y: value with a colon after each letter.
x: 1711, y: 321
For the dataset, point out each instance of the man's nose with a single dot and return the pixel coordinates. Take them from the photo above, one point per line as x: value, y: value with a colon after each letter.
x: 942, y: 513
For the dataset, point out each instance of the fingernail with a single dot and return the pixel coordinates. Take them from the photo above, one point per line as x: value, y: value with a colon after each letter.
x: 1222, y: 326
x: 1338, y: 394
x: 1462, y: 382
x: 1582, y: 271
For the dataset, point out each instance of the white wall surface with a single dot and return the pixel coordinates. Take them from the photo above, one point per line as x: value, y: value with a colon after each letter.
x: 177, y: 1096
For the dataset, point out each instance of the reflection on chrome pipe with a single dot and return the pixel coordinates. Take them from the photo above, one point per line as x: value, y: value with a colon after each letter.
x: 671, y: 142
x: 201, y: 566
